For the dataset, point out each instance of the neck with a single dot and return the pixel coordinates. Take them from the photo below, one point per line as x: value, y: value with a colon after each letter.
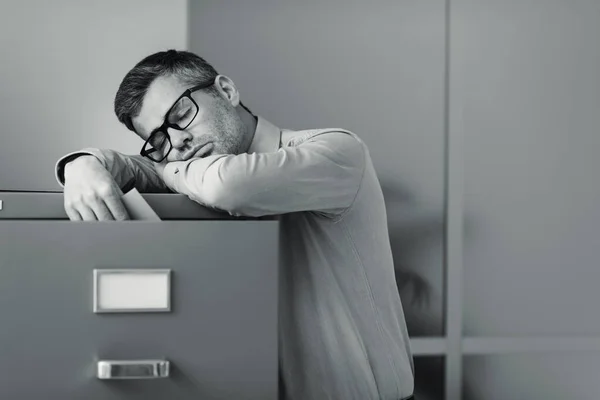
x: 249, y: 122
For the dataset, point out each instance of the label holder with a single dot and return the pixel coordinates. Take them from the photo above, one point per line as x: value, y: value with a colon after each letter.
x: 132, y: 274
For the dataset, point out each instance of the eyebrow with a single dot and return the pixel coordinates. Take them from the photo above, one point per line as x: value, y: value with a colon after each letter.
x: 154, y: 130
x: 164, y: 117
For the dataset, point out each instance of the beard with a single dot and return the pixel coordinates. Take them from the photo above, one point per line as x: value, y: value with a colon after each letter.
x: 229, y: 131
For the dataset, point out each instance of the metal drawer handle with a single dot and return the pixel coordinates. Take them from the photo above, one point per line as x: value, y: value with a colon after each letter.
x: 133, y: 369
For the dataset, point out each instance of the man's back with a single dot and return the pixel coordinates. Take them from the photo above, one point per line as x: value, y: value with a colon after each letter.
x: 342, y: 328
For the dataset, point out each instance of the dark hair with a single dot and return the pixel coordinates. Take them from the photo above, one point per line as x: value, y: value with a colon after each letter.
x: 189, y: 67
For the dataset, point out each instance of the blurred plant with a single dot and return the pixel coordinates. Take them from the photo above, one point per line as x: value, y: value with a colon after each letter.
x: 421, y: 289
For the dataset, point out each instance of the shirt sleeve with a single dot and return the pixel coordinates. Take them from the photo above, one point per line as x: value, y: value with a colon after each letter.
x: 322, y: 174
x: 122, y: 167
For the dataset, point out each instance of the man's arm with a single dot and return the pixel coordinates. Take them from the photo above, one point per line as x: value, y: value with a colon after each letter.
x: 322, y: 174
x: 121, y: 167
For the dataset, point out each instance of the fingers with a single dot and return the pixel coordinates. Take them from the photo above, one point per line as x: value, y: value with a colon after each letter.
x: 101, y: 211
x: 73, y: 214
x: 115, y: 205
x: 90, y: 205
x: 79, y: 204
x: 72, y: 208
x: 91, y: 193
x: 87, y: 214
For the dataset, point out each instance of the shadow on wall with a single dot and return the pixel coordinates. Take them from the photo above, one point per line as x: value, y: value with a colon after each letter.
x: 408, y: 235
x: 413, y: 231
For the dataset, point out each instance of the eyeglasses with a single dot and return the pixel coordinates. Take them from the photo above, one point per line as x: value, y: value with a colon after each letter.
x: 181, y: 114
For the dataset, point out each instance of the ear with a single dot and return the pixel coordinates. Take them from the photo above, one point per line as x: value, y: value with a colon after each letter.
x: 227, y: 89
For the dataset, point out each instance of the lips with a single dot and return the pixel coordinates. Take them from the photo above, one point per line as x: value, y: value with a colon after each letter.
x: 203, y: 151
x: 199, y: 152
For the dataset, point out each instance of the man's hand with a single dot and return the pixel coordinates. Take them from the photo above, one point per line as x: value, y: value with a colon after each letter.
x: 91, y: 193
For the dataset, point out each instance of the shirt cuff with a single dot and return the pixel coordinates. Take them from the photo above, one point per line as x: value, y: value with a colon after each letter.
x: 170, y: 174
x: 59, y: 169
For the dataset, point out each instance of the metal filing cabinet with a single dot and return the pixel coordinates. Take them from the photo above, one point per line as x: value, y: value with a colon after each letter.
x: 183, y: 308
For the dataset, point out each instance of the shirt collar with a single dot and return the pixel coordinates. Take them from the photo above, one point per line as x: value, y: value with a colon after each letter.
x: 267, y: 137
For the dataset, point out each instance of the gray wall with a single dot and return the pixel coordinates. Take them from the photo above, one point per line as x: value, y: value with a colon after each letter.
x: 62, y: 62
x: 531, y: 102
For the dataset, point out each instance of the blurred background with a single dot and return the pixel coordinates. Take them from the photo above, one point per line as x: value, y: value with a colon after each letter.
x: 481, y: 117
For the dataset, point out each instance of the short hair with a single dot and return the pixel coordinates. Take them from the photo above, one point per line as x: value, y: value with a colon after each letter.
x: 189, y: 67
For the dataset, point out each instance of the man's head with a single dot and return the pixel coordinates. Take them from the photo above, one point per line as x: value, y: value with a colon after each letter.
x: 149, y: 96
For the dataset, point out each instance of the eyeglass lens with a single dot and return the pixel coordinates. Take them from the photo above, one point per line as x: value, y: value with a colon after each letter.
x: 182, y: 113
x: 180, y: 117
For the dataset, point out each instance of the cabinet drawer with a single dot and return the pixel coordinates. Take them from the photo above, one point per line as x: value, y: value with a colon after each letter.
x: 219, y: 336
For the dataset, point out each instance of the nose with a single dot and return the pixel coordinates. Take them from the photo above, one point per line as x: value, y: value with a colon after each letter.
x: 179, y: 139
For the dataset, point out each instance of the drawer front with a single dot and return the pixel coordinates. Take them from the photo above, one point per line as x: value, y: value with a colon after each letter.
x: 220, y: 335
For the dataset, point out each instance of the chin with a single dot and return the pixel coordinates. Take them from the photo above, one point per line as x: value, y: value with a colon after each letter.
x: 231, y: 150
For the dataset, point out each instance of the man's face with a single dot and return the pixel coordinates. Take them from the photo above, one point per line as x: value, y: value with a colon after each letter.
x: 216, y: 129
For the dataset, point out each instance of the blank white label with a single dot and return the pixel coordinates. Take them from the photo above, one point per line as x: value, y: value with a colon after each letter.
x: 132, y: 290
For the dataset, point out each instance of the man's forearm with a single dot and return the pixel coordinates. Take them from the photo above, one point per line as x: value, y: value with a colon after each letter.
x: 321, y: 175
x: 123, y: 168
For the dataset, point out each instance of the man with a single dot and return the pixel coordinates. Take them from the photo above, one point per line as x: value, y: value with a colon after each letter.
x: 342, y: 332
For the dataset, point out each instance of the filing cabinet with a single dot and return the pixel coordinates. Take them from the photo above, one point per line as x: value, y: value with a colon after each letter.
x: 183, y: 308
